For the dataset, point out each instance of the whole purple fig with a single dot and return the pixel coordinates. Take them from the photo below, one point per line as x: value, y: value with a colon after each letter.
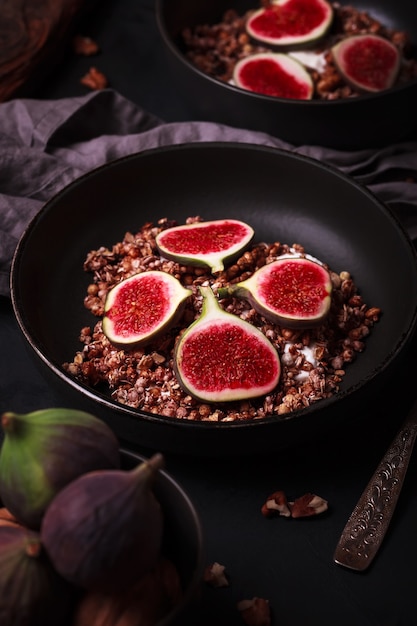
x: 104, y: 530
x: 31, y: 592
x: 43, y: 451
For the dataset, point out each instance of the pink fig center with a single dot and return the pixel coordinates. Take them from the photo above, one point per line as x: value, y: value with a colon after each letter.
x: 140, y: 306
x: 296, y: 17
x: 370, y: 62
x: 204, y: 239
x: 266, y: 76
x: 298, y: 289
x: 227, y: 357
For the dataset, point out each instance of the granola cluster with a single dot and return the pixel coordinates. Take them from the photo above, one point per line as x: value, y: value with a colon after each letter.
x: 216, y: 48
x: 313, y: 361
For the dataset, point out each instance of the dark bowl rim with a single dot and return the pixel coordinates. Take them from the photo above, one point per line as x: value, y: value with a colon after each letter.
x: 244, y: 93
x: 103, y: 400
x: 196, y: 575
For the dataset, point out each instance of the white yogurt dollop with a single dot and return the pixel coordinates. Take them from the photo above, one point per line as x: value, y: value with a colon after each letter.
x: 310, y: 59
x: 298, y: 255
x: 308, y: 352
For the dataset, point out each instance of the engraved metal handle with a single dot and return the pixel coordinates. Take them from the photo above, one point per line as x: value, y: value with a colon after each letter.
x: 369, y: 521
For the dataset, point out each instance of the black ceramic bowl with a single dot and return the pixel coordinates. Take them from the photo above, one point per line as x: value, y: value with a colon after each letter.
x: 285, y: 197
x: 351, y: 123
x: 183, y: 537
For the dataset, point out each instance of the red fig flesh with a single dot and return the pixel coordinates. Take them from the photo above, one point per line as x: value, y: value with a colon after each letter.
x: 221, y: 358
x: 291, y: 22
x: 275, y: 75
x: 141, y: 307
x: 208, y: 244
x: 293, y: 292
x: 368, y: 62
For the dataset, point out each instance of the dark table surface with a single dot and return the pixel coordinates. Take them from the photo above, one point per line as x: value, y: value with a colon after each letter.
x: 288, y: 562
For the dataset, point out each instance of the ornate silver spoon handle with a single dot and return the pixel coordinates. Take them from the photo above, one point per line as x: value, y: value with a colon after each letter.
x: 369, y: 521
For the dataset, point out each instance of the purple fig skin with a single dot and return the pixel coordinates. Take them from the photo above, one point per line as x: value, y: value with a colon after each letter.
x: 31, y: 592
x: 104, y: 530
x: 45, y: 450
x: 271, y: 287
x: 369, y: 63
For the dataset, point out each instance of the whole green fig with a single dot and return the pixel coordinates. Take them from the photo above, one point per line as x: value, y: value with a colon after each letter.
x: 43, y: 451
x: 31, y: 592
x: 104, y: 530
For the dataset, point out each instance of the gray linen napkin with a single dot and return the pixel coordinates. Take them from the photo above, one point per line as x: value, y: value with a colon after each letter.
x: 44, y: 145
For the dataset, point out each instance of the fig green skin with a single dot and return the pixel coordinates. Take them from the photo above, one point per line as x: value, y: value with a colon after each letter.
x: 43, y: 451
x: 31, y: 592
x: 104, y: 530
x: 212, y: 313
x: 248, y: 290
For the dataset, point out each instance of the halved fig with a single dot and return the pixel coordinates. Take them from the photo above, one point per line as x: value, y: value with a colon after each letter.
x: 274, y: 74
x: 221, y: 358
x: 210, y: 244
x: 142, y: 306
x: 293, y: 291
x: 368, y: 63
x: 291, y: 22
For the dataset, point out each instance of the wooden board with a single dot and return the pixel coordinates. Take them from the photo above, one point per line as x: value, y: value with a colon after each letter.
x: 33, y: 34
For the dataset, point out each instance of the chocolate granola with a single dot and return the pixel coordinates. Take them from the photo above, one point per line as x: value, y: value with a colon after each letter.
x: 313, y: 360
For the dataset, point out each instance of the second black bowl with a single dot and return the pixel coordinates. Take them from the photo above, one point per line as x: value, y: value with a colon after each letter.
x: 371, y: 120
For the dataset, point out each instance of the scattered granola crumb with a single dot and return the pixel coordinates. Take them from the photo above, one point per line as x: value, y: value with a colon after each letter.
x: 215, y: 575
x: 85, y: 46
x: 276, y: 504
x: 94, y: 79
x: 307, y: 505
x: 255, y: 612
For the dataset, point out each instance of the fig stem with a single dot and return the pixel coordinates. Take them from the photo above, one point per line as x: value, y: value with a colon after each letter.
x: 8, y: 422
x: 33, y: 548
x: 155, y: 463
x: 224, y: 292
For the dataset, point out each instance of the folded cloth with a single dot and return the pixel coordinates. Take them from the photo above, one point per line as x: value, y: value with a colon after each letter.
x: 44, y: 145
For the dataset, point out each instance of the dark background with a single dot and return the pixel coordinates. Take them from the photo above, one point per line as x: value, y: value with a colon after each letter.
x: 131, y: 57
x: 289, y: 562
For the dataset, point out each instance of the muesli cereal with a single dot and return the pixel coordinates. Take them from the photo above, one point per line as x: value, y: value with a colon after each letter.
x: 313, y: 361
x: 216, y: 48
